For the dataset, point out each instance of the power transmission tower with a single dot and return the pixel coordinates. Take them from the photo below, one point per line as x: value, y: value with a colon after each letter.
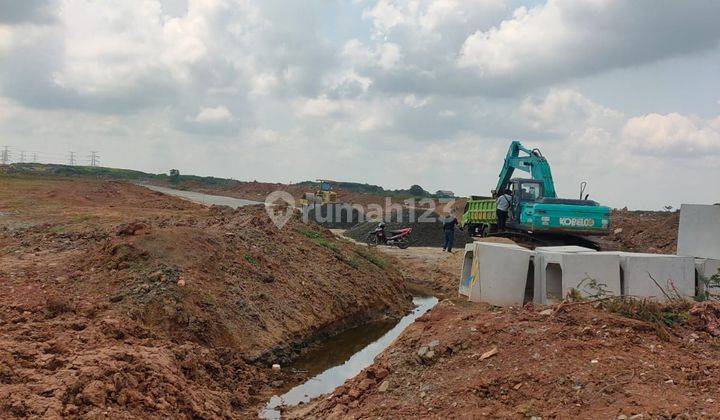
x: 5, y: 156
x: 94, y: 158
x: 22, y: 156
x: 71, y: 159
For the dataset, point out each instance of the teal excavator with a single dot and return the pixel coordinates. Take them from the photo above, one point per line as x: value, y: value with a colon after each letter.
x: 536, y: 212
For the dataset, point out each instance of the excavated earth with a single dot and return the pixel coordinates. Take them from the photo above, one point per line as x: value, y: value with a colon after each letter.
x: 643, y: 231
x: 116, y: 301
x: 573, y: 361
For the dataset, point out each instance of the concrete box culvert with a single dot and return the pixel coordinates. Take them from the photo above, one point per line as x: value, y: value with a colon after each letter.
x: 657, y: 276
x: 547, y: 263
x: 699, y: 231
x: 502, y: 274
x: 592, y: 274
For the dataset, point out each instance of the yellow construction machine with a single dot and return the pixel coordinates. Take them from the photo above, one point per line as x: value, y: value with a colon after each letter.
x: 325, y: 195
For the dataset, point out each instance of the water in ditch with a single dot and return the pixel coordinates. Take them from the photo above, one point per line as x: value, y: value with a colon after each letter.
x: 342, y: 357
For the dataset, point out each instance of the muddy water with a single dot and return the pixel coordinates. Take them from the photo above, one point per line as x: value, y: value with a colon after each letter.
x: 342, y: 357
x: 203, y: 198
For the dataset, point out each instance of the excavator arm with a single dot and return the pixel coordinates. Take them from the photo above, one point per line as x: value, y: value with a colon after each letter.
x: 534, y: 164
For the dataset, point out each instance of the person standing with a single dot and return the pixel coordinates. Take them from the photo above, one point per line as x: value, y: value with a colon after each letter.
x: 449, y: 229
x: 504, y: 202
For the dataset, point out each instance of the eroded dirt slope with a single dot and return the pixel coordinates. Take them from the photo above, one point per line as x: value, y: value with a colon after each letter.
x: 119, y: 301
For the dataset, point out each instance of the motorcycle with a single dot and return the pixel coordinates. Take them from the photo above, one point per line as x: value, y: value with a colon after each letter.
x: 398, y: 238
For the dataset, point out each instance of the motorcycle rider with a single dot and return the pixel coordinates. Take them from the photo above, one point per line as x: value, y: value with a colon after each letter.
x: 381, y: 226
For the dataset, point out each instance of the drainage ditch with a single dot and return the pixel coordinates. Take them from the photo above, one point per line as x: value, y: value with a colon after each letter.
x: 342, y: 357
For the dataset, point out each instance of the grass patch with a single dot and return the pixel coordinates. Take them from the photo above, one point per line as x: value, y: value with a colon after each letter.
x: 310, y: 233
x: 669, y: 314
x: 374, y: 259
x: 57, y: 229
x: 252, y: 260
x: 83, y: 219
x: 326, y: 244
x: 662, y: 315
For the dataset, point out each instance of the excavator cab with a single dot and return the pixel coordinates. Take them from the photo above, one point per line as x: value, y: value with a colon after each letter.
x: 524, y: 192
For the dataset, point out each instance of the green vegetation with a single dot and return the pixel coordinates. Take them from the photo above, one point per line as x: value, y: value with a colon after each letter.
x: 109, y: 173
x: 413, y: 191
x: 57, y: 229
x: 649, y: 310
x: 310, y: 233
x: 676, y: 311
x: 708, y: 284
x: 252, y: 260
x: 326, y: 244
x: 372, y: 258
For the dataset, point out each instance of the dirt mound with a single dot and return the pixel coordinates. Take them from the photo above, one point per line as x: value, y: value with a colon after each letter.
x: 578, y: 362
x: 425, y: 233
x: 119, y: 301
x: 643, y: 231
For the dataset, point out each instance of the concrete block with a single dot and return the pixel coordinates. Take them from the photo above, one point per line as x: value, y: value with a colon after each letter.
x: 699, y: 232
x: 502, y: 274
x: 590, y: 273
x: 674, y: 274
x: 705, y: 268
x: 467, y: 274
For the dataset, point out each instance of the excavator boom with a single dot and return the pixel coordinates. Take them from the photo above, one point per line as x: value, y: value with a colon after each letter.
x: 534, y: 164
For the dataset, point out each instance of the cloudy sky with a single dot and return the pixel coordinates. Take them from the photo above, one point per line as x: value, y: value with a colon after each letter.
x: 623, y: 94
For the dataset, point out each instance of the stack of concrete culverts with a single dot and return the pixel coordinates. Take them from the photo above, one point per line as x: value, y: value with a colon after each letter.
x: 502, y: 274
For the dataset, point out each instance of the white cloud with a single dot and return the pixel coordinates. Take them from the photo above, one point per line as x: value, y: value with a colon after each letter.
x: 213, y: 115
x: 415, y: 102
x: 565, y: 110
x: 672, y: 135
x: 385, y: 55
x: 250, y: 89
x: 567, y: 38
x: 318, y: 107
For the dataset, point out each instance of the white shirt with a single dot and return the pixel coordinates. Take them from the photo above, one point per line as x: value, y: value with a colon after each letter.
x: 503, y: 202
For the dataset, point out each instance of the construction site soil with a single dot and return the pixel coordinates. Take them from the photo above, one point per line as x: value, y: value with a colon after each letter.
x: 120, y: 302
x: 643, y: 231
x: 116, y: 301
x: 572, y: 361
